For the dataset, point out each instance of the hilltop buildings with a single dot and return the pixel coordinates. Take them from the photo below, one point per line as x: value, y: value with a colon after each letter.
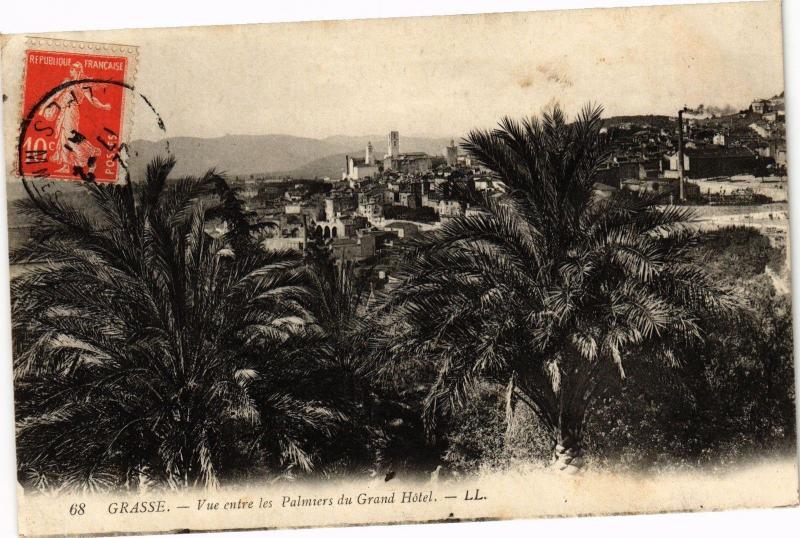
x: 382, y: 201
x: 361, y: 168
x: 713, y: 161
x: 451, y: 154
x: 644, y: 153
x: 409, y: 163
x: 378, y: 201
x: 404, y: 163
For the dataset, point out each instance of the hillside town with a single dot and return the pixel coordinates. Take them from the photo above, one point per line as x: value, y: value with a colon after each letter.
x: 736, y: 160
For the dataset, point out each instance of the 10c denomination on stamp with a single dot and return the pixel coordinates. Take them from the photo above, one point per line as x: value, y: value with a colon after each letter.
x: 74, y: 109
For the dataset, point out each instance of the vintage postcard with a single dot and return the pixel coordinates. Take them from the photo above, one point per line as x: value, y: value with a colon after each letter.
x: 400, y: 270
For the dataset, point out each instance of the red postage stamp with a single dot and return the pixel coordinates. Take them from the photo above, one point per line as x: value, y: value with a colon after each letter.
x: 74, y: 99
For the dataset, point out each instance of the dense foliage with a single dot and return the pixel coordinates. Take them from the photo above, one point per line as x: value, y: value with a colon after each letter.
x: 732, y: 398
x: 149, y: 352
x: 151, y: 349
x: 549, y: 291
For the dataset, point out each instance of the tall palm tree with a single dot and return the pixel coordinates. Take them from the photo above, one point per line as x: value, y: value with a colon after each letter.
x: 149, y: 352
x: 549, y: 289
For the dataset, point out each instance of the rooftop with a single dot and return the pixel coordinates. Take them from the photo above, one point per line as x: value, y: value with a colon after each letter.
x: 412, y: 156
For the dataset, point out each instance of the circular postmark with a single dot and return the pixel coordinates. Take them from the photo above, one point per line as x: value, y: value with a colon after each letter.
x: 73, y: 134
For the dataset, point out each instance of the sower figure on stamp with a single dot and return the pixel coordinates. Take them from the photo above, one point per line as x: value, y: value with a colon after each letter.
x: 73, y: 150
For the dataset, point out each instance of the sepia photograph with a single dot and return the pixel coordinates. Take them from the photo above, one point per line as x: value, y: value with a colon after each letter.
x: 417, y: 269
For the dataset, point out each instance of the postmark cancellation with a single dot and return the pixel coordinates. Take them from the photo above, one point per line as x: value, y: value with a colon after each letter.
x: 75, y: 109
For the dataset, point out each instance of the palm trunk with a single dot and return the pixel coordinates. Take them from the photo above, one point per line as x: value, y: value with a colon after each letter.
x: 511, y: 404
x: 560, y: 395
x: 189, y: 473
x: 573, y: 402
x: 568, y: 453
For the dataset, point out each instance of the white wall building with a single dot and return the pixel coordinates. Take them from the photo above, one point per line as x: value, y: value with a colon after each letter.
x: 361, y: 168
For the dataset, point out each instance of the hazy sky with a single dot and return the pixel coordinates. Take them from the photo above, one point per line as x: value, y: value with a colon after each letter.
x: 444, y: 75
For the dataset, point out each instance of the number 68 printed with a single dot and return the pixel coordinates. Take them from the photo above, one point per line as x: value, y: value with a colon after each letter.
x: 77, y: 509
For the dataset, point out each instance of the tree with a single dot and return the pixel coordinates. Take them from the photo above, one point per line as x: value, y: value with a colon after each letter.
x: 734, y: 396
x: 149, y: 352
x: 338, y: 305
x: 384, y: 432
x: 549, y: 290
x: 338, y: 301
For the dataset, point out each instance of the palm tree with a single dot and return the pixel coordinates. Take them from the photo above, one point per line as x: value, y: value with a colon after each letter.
x: 149, y: 352
x: 549, y: 289
x: 383, y: 433
x: 338, y: 305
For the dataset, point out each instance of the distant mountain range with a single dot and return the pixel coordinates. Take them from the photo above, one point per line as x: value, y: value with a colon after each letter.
x: 292, y: 156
